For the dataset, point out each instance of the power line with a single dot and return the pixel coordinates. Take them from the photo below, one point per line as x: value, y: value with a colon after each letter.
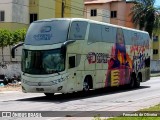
x: 102, y: 15
x: 28, y: 5
x: 72, y: 7
x: 82, y: 10
x: 79, y: 9
x: 62, y: 15
x: 72, y: 1
x: 78, y: 2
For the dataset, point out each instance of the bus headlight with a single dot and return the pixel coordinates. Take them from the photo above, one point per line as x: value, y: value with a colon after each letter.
x: 58, y: 81
x: 55, y: 82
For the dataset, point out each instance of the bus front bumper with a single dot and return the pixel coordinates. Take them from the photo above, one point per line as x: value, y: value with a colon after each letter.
x: 59, y: 88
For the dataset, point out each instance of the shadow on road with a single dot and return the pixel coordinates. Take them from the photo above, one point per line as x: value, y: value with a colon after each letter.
x: 59, y: 98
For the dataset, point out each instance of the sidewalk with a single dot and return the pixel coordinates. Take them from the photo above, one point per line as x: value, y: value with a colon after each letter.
x: 9, y: 88
x: 156, y: 74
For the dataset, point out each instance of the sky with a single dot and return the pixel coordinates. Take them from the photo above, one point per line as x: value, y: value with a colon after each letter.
x: 157, y: 3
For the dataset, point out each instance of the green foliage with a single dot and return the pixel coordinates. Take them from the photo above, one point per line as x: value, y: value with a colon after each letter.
x: 18, y: 36
x: 10, y: 38
x: 97, y: 117
x: 146, y: 15
x: 5, y: 36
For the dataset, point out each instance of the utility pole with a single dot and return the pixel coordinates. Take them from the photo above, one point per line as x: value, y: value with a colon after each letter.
x: 62, y: 13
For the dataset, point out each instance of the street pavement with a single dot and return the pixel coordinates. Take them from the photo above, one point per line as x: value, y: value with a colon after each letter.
x: 116, y: 99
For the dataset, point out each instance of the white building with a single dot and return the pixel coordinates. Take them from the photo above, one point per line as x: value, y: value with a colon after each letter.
x: 14, y: 11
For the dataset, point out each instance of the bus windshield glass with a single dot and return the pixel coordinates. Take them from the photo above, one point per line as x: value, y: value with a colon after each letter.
x: 43, y: 62
x: 47, y: 32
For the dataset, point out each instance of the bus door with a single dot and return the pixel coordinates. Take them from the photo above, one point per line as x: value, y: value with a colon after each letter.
x: 74, y: 75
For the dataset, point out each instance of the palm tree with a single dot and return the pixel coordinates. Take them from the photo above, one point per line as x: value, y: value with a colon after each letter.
x: 146, y: 15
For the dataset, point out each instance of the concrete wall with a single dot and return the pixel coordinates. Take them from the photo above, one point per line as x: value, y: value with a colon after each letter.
x: 12, y: 70
x: 46, y: 9
x: 103, y: 12
x: 13, y: 26
x: 15, y: 10
x: 7, y: 54
x: 120, y: 7
x: 76, y: 8
x: 155, y: 66
x: 121, y: 13
x: 33, y: 6
x: 20, y: 11
x: 58, y: 9
x: 73, y: 8
x: 156, y: 45
x: 16, y: 14
x: 6, y: 5
x: 68, y: 8
x: 129, y: 22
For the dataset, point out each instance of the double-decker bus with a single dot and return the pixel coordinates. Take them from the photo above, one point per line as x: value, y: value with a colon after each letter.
x: 65, y: 55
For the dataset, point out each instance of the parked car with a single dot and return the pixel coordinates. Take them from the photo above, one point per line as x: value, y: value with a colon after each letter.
x: 3, y: 80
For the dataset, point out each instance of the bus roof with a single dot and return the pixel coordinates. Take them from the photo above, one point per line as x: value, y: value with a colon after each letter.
x: 89, y: 21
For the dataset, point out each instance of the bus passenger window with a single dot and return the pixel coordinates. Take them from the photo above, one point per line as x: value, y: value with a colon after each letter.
x: 72, y: 62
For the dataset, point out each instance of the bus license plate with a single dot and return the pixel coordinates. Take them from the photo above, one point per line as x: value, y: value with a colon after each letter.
x: 39, y: 89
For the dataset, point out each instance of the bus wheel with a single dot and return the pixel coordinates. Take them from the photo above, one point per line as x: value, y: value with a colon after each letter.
x: 49, y: 95
x: 132, y: 82
x: 86, y: 85
x: 137, y: 82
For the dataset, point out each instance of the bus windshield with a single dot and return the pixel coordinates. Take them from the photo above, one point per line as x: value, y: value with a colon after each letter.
x: 43, y: 62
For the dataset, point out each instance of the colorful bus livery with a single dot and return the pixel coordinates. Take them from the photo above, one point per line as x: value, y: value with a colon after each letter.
x: 68, y: 55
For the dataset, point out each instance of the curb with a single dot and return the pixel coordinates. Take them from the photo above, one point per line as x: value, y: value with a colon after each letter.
x: 8, y: 92
x: 155, y: 75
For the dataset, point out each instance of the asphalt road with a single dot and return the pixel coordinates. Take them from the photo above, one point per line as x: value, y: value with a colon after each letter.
x: 116, y: 99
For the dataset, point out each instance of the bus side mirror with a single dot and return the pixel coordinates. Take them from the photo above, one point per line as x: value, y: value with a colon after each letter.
x: 63, y: 50
x: 13, y: 49
x: 64, y: 46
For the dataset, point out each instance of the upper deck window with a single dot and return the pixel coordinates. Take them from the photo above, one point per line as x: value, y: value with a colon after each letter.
x: 78, y: 30
x: 47, y: 32
x: 95, y: 33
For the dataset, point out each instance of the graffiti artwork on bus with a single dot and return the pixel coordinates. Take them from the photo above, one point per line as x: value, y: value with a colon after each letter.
x: 120, y: 64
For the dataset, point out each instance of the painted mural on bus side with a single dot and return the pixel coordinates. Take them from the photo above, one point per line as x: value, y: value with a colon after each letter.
x: 121, y: 65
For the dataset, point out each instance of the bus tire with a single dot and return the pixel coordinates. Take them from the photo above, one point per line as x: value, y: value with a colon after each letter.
x: 49, y: 95
x: 137, y: 81
x: 86, y: 86
x: 132, y: 82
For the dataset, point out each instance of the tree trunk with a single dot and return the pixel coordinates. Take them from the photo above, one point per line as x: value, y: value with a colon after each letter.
x: 2, y: 55
x: 10, y: 53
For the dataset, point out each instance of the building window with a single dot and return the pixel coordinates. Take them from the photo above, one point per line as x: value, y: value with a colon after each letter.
x: 155, y: 38
x: 2, y: 14
x: 113, y: 14
x: 33, y: 17
x: 94, y: 12
x: 155, y: 51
